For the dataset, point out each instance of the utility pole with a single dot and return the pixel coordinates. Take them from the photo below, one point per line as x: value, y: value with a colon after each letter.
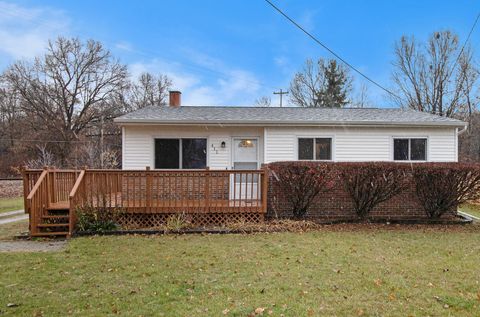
x: 281, y: 93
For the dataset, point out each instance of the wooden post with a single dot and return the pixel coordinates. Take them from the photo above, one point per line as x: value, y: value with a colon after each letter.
x: 207, y: 189
x: 148, y: 188
x: 26, y: 207
x: 26, y: 181
x: 264, y: 188
x: 45, y: 168
x: 53, y: 181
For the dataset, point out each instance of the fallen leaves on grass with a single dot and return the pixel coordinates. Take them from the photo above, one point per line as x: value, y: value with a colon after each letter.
x: 11, y: 189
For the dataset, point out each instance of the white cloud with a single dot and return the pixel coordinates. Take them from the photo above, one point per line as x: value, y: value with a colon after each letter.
x: 124, y: 46
x: 182, y: 80
x: 205, y: 80
x: 24, y: 32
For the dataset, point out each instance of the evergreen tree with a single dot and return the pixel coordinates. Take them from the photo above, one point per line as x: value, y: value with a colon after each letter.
x: 334, y: 92
x: 322, y: 84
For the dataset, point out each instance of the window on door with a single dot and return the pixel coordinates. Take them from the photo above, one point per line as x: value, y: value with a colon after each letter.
x: 315, y: 149
x: 187, y: 153
x: 410, y: 149
x: 245, y: 157
x: 245, y: 154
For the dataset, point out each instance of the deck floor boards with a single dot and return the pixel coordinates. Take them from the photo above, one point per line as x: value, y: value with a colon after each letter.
x: 165, y: 206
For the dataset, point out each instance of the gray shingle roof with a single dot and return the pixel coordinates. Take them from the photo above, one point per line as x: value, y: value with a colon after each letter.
x: 285, y: 116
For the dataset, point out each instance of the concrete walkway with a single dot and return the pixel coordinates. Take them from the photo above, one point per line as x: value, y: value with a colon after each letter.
x: 13, y: 219
x: 12, y: 216
x: 32, y: 246
x: 469, y: 215
x: 11, y: 213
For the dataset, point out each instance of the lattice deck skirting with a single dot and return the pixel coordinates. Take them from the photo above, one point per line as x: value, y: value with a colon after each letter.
x: 151, y: 220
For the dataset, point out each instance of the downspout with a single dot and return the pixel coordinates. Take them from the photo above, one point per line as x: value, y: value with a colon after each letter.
x: 459, y: 132
x: 465, y: 128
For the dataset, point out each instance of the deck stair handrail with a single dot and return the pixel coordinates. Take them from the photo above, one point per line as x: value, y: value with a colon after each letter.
x: 77, y: 193
x: 38, y: 200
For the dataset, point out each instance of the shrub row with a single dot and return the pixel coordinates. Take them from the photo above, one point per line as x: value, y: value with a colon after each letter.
x: 440, y: 187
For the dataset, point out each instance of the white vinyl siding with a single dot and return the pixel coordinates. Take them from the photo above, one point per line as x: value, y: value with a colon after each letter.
x: 281, y: 143
x: 359, y: 144
x: 137, y: 149
x: 138, y: 143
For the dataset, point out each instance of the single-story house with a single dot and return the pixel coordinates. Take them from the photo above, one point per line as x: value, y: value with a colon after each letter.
x: 233, y: 142
x: 196, y: 137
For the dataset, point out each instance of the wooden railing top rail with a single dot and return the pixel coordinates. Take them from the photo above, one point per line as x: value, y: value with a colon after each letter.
x: 53, y: 170
x: 37, y: 184
x: 77, y: 184
x: 175, y: 171
x: 150, y: 171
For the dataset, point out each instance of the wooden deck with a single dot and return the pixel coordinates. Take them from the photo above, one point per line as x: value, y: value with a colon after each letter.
x: 226, y: 192
x: 168, y: 206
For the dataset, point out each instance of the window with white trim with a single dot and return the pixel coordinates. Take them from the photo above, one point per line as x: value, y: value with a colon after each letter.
x: 315, y: 149
x: 187, y: 153
x: 410, y: 149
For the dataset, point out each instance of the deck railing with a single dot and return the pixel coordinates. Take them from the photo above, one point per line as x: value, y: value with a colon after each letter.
x: 147, y: 191
x: 61, y: 183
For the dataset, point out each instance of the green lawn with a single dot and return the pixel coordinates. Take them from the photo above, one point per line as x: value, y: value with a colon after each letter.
x: 472, y: 209
x: 9, y: 204
x: 10, y: 230
x: 339, y: 270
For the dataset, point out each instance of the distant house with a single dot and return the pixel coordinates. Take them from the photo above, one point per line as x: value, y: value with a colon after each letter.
x: 186, y: 137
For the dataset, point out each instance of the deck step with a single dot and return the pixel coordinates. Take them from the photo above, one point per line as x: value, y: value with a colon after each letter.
x: 50, y: 234
x: 55, y: 217
x: 50, y: 225
x: 57, y: 208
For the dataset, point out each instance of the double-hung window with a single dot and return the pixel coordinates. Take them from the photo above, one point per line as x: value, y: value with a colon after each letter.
x: 410, y: 149
x: 315, y: 149
x: 187, y: 153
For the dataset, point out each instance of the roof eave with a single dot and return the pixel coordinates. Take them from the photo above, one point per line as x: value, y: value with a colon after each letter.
x: 459, y: 124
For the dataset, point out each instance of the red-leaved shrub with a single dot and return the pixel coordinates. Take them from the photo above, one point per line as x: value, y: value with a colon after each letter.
x: 369, y: 184
x: 441, y: 187
x: 303, y: 182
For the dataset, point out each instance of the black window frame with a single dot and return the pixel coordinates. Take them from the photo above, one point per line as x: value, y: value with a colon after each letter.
x: 409, y: 151
x: 180, y: 153
x: 314, y: 150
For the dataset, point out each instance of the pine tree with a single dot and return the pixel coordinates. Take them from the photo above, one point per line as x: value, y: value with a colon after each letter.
x: 321, y: 84
x: 334, y: 92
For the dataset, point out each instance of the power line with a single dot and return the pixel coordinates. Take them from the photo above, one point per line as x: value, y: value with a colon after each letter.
x: 328, y: 49
x: 46, y: 141
x: 466, y: 40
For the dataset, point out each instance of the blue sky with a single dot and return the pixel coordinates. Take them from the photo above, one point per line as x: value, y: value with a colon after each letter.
x: 221, y: 52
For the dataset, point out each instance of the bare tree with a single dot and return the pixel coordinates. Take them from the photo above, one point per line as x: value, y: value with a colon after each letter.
x: 321, y: 84
x: 438, y: 77
x: 149, y: 90
x: 44, y: 158
x: 94, y: 157
x: 263, y: 101
x: 469, y: 141
x: 362, y: 99
x: 68, y: 88
x: 10, y: 112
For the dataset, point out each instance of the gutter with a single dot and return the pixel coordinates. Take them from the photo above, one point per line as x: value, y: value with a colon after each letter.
x: 294, y: 123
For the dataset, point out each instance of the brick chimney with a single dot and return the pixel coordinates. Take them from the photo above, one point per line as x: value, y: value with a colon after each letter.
x: 175, y: 98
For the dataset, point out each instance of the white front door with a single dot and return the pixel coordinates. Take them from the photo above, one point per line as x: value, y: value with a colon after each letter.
x: 244, y: 186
